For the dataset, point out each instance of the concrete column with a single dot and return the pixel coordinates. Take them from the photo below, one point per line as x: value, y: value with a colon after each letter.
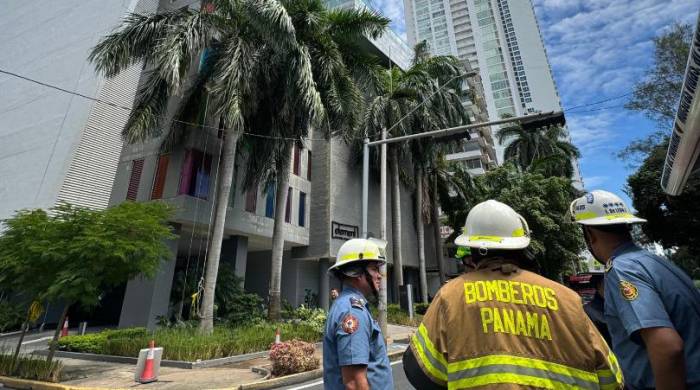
x: 146, y: 299
x: 234, y: 253
x: 323, y: 284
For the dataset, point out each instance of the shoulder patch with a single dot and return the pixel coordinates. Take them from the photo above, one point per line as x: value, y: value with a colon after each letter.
x: 629, y: 291
x: 350, y: 323
x: 357, y: 302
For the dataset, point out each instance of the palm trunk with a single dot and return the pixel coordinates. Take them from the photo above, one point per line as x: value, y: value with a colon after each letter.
x: 228, y: 160
x: 396, y: 219
x: 420, y: 232
x: 54, y: 341
x: 25, y: 328
x: 274, y: 309
x: 436, y: 230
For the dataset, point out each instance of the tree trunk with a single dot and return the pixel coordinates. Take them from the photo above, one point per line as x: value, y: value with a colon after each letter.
x: 228, y: 160
x: 436, y: 229
x: 25, y: 328
x: 54, y: 341
x: 420, y: 232
x: 396, y: 218
x: 274, y: 308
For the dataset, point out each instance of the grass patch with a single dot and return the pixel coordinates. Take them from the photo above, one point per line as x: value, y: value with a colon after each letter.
x: 395, y: 315
x: 30, y: 367
x: 186, y: 343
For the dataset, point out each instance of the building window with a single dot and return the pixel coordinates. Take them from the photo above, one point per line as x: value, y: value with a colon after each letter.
x: 270, y: 201
x: 195, y: 175
x: 251, y: 200
x: 297, y: 159
x: 288, y: 207
x: 134, y: 180
x: 161, y: 172
x: 302, y: 209
x: 473, y: 163
x: 308, y: 165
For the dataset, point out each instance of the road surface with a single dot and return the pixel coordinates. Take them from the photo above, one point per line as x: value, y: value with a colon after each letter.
x: 400, y: 381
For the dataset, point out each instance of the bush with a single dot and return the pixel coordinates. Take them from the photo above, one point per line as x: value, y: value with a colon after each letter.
x: 395, y: 315
x: 188, y: 344
x: 313, y: 317
x: 292, y: 357
x: 30, y: 367
x: 11, y: 316
x: 420, y: 308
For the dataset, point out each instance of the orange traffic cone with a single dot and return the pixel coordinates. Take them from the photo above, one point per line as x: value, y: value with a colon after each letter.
x: 277, y: 336
x: 64, y: 331
x: 148, y: 375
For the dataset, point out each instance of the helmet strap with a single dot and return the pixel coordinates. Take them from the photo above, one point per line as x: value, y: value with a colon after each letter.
x: 369, y: 280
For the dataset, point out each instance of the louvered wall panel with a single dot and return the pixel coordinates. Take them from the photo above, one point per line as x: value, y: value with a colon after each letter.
x: 93, y: 167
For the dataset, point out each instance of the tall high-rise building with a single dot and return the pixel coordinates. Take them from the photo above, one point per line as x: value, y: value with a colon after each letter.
x: 499, y: 38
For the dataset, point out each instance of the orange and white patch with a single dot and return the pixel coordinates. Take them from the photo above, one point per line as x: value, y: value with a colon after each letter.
x: 350, y: 323
x: 629, y: 291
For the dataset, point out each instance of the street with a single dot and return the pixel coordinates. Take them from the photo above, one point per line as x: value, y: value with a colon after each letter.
x: 400, y: 381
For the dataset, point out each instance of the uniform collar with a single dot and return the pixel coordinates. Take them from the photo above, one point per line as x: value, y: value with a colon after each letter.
x: 623, y: 248
x: 349, y: 290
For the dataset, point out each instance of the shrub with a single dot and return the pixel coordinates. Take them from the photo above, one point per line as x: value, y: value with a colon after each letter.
x: 292, y: 357
x: 314, y: 317
x: 11, y: 316
x: 420, y: 308
x: 30, y: 367
x: 187, y: 343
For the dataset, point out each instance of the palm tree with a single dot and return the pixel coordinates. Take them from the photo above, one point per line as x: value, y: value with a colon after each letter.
x: 544, y: 149
x: 239, y: 36
x: 336, y: 65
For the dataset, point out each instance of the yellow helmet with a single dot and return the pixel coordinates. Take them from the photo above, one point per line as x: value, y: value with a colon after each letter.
x: 360, y: 250
x: 597, y: 208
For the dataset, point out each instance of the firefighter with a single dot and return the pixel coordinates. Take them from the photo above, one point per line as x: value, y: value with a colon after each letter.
x: 503, y: 326
x: 354, y: 353
x: 652, y: 308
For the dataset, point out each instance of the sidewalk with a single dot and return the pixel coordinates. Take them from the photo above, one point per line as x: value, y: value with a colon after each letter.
x: 121, y: 376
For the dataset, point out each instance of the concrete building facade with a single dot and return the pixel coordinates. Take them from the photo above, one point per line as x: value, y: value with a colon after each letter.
x: 500, y: 39
x: 59, y: 147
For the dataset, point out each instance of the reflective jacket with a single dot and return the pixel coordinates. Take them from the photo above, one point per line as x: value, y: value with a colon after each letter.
x: 504, y: 327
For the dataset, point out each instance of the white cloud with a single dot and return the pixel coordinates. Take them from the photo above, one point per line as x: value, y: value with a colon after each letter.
x: 392, y: 9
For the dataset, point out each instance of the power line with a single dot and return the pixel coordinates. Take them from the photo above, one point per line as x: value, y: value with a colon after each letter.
x: 97, y: 100
x: 599, y: 109
x: 598, y: 102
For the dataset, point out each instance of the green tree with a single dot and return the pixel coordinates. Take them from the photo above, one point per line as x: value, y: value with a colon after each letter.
x: 71, y: 253
x: 657, y: 94
x: 545, y: 150
x: 542, y: 201
x: 327, y: 98
x: 240, y: 39
x: 673, y: 221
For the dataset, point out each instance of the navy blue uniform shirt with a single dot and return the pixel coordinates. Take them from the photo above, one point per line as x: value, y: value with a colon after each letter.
x: 352, y: 337
x: 643, y: 290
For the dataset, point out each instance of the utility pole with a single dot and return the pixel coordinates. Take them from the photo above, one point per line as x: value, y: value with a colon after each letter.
x: 383, y: 296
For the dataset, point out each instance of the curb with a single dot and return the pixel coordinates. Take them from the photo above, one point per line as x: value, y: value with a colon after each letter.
x: 26, y: 384
x: 164, y: 363
x: 296, y: 378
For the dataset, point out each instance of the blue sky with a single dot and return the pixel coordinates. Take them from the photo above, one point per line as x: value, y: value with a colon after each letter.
x: 597, y: 49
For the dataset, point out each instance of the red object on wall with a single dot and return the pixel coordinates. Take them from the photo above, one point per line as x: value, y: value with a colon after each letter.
x: 161, y: 172
x: 135, y: 179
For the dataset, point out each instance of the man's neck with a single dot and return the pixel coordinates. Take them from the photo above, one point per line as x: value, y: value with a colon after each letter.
x: 613, y: 247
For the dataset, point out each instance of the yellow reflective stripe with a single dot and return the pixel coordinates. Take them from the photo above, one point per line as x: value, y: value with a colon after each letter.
x: 431, y: 347
x: 427, y: 363
x: 519, y: 232
x: 619, y: 215
x: 586, y: 215
x: 524, y: 380
x: 486, y: 238
x: 356, y: 255
x: 523, y: 362
x: 615, y: 368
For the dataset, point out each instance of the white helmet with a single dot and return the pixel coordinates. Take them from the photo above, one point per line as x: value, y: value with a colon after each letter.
x: 360, y: 250
x: 494, y: 225
x: 597, y: 208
